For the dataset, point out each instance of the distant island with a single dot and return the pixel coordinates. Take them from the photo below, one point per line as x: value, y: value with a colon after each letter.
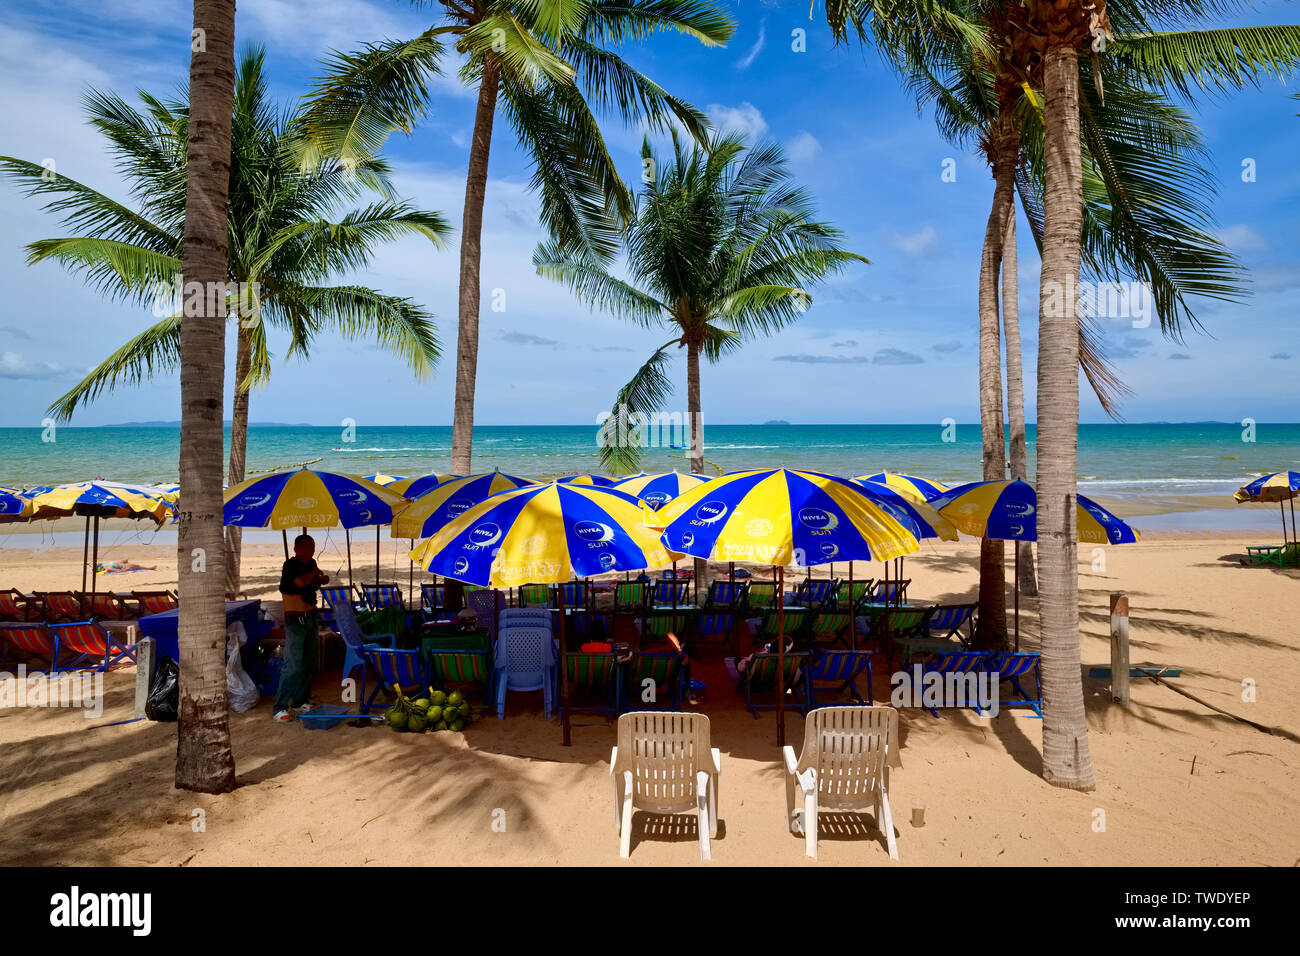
x: 777, y: 421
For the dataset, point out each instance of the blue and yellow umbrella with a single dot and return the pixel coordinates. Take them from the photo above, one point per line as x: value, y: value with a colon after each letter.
x: 925, y: 522
x: 544, y: 534
x: 1279, y: 486
x: 14, y: 505
x: 658, y: 490
x: 419, y: 485
x: 922, y: 489
x: 309, y: 499
x: 439, y: 505
x: 600, y: 481
x: 1007, y: 510
x: 382, y: 479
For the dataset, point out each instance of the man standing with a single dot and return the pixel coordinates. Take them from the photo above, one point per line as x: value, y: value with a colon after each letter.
x: 299, y: 581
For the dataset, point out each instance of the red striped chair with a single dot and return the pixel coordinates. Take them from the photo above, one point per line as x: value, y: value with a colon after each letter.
x: 31, y: 640
x: 59, y: 606
x: 108, y: 606
x: 154, y: 602
x: 13, y: 605
x: 95, y: 648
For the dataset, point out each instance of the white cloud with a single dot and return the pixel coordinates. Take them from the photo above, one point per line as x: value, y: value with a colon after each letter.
x: 745, y: 62
x: 917, y: 243
x: 16, y: 365
x: 745, y: 119
x: 1242, y: 238
x: 803, y: 147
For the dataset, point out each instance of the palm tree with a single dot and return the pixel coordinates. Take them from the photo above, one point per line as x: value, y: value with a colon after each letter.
x: 287, y: 237
x: 720, y: 249
x: 548, y: 63
x: 204, y: 761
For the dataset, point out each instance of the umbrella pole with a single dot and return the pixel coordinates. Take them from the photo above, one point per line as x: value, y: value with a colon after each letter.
x: 853, y: 618
x: 410, y: 576
x: 284, y: 536
x: 94, y: 563
x: 1281, y: 508
x: 564, y: 669
x: 347, y: 536
x: 85, y: 553
x: 1015, y: 586
x: 778, y: 572
x: 1293, y: 537
x: 376, y: 558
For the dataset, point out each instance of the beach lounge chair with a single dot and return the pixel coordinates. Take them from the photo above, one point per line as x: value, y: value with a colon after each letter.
x: 593, y: 683
x: 328, y: 598
x: 710, y: 626
x: 837, y: 667
x: 459, y: 660
x: 891, y: 592
x: 526, y: 617
x: 844, y: 767
x: 946, y: 622
x: 794, y: 623
x: 95, y: 648
x: 524, y: 660
x: 658, y: 677
x: 591, y: 626
x: 393, y: 668
x: 654, y: 628
x: 107, y: 606
x: 1013, y: 666
x: 59, y: 607
x: 345, y: 622
x: 829, y: 627
x: 759, y: 677
x: 669, y: 593
x: 853, y: 594
x: 725, y: 596
x: 153, y: 602
x: 379, y: 596
x: 965, y: 667
x: 533, y: 595
x: 630, y: 596
x: 14, y: 606
x: 576, y: 594
x: 760, y: 596
x: 817, y: 594
x: 901, y: 625
x: 30, y: 640
x: 664, y: 762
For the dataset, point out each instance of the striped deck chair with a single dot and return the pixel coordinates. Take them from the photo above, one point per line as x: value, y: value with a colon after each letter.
x: 891, y: 592
x: 853, y: 594
x: 379, y: 596
x: 533, y: 595
x: 108, y: 607
x: 725, y: 596
x: 904, y: 626
x: 334, y: 595
x: 1013, y: 666
x: 344, y: 616
x: 650, y: 678
x: 654, y: 628
x: 947, y: 620
x: 461, y: 665
x: 524, y: 660
x: 576, y: 594
x: 153, y: 602
x: 829, y: 627
x: 670, y: 592
x: 95, y: 648
x: 760, y: 596
x: 759, y: 677
x: 433, y: 601
x: 392, y: 668
x: 817, y: 594
x: 14, y: 605
x: 959, y: 667
x: 629, y: 596
x: 30, y: 640
x: 796, y: 622
x: 715, y: 626
x: 841, y: 668
x: 59, y: 607
x: 593, y: 683
x: 591, y: 626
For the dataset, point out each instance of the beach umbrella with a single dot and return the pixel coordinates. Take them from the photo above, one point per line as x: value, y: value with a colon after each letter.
x: 1279, y: 486
x: 925, y: 489
x: 420, y: 485
x: 780, y: 517
x: 1007, y: 510
x: 449, y: 500
x: 383, y: 480
x: 311, y: 499
x: 543, y: 534
x: 14, y: 505
x: 586, y: 479
x: 659, y: 489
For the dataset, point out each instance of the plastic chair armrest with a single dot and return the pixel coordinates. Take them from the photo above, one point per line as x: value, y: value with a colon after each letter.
x: 791, y: 761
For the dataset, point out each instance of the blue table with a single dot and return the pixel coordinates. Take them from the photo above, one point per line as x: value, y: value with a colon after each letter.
x: 163, y: 627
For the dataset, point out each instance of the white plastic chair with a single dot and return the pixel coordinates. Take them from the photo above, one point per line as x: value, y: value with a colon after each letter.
x: 847, y: 753
x: 664, y: 763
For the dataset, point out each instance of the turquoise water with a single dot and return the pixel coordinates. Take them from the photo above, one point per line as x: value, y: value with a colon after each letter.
x: 1140, y: 462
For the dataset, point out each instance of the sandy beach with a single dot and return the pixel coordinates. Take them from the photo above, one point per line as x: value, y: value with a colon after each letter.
x: 1177, y: 784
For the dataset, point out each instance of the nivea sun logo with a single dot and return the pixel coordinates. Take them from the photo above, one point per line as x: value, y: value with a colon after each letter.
x: 461, y: 566
x: 688, y: 539
x: 711, y: 511
x: 830, y: 549
x: 484, y: 534
x: 592, y: 531
x: 351, y: 494
x: 459, y: 506
x: 814, y: 518
x: 606, y: 559
x: 655, y: 497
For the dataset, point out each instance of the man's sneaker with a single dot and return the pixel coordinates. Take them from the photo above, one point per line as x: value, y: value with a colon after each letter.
x: 302, y: 708
x: 283, y: 715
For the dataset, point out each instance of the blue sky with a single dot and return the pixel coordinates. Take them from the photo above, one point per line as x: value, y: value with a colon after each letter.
x: 889, y: 342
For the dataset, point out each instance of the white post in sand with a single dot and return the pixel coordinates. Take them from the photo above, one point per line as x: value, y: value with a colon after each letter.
x: 1119, y: 648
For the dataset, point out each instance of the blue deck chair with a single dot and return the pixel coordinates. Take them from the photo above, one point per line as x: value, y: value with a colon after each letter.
x: 711, y: 626
x: 891, y: 592
x: 433, y: 602
x: 524, y: 661
x: 592, y: 626
x: 759, y: 677
x: 392, y: 668
x: 576, y: 594
x: 670, y: 592
x: 946, y: 621
x: 331, y: 595
x: 838, y: 667
x: 725, y: 596
x: 964, y: 665
x: 377, y: 596
x: 1013, y: 666
x: 665, y: 673
x: 345, y: 622
x: 817, y: 594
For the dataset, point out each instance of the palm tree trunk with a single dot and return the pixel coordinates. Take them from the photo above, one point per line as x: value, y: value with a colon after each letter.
x: 471, y: 254
x: 697, y: 443
x: 1066, y: 759
x: 204, y: 761
x: 991, y: 629
x: 238, y: 449
x: 1016, y: 387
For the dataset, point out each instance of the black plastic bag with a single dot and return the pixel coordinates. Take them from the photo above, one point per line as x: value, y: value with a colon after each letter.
x: 165, y: 692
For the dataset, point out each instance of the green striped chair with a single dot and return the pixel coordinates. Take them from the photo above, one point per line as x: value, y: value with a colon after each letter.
x: 817, y: 594
x: 759, y: 677
x: 576, y: 594
x: 725, y: 597
x: 534, y: 595
x: 829, y: 627
x: 629, y: 596
x: 853, y: 594
x: 760, y: 596
x: 796, y: 621
x: 461, y: 665
x: 654, y: 628
x: 593, y: 683
x: 666, y: 671
x: 905, y: 627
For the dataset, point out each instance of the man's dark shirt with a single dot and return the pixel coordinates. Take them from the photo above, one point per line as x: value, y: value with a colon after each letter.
x: 293, y: 569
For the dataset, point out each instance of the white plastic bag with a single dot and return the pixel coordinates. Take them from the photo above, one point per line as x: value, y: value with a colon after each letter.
x: 241, y: 692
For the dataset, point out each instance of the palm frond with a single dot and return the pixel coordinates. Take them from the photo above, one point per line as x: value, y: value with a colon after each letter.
x: 154, y: 351
x: 646, y: 392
